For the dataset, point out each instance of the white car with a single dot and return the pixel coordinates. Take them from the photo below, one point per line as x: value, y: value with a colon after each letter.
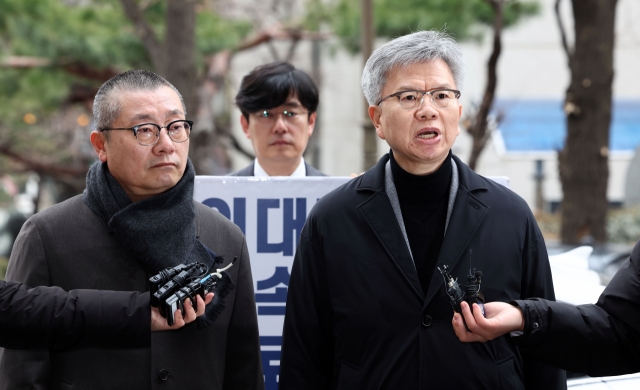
x: 577, y: 284
x: 622, y: 382
x: 573, y: 281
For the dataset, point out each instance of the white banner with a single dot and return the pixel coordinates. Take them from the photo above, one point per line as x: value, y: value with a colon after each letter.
x: 271, y: 212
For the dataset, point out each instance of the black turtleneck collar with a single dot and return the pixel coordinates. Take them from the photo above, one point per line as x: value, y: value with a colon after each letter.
x: 422, y: 190
x: 423, y: 203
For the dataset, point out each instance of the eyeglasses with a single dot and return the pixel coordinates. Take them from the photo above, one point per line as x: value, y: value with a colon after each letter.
x: 269, y: 118
x: 413, y: 99
x: 148, y: 134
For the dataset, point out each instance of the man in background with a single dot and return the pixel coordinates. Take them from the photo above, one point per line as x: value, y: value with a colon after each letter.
x: 278, y: 104
x: 136, y: 217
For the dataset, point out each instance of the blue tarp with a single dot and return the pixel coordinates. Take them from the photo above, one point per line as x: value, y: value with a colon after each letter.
x: 539, y: 125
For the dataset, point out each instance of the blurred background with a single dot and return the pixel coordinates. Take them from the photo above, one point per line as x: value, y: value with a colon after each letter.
x: 551, y: 97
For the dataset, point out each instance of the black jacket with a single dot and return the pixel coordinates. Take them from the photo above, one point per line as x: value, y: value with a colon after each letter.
x: 356, y: 315
x: 600, y: 339
x: 49, y: 317
x: 248, y: 170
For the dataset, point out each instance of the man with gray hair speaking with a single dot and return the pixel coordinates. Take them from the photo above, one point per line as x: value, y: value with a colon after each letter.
x: 135, y: 218
x: 366, y: 307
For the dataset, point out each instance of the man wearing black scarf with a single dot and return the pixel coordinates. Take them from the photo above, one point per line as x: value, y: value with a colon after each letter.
x: 366, y: 306
x: 136, y: 217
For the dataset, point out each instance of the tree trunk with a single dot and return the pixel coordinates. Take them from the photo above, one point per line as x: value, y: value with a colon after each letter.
x: 179, y: 60
x: 583, y: 163
x: 174, y: 58
x: 208, y: 154
x: 478, y: 128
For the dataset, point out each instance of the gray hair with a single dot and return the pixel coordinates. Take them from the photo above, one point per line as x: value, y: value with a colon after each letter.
x: 419, y: 47
x: 106, y: 105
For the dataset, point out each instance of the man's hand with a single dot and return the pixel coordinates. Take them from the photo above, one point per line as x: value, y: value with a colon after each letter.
x: 158, y: 322
x: 501, y: 318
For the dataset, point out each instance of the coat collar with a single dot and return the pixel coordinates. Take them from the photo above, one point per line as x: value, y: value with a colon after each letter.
x: 373, y: 179
x: 390, y: 189
x: 465, y: 215
x: 468, y: 178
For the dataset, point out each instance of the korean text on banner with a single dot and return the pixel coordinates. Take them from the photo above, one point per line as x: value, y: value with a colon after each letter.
x: 271, y: 213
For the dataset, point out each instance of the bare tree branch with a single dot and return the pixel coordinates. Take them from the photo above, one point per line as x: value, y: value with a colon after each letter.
x: 143, y: 30
x: 236, y: 145
x: 24, y: 62
x: 257, y: 40
x: 88, y: 72
x: 44, y: 168
x: 478, y: 128
x: 563, y: 34
x: 76, y: 68
x: 278, y: 34
x: 272, y: 49
x: 296, y: 36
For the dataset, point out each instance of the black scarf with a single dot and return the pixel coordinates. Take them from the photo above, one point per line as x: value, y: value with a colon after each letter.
x: 159, y: 231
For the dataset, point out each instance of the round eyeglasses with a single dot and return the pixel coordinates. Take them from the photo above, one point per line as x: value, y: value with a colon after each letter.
x: 413, y: 99
x: 148, y: 134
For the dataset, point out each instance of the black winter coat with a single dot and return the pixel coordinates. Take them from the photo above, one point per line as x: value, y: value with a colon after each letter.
x: 356, y: 315
x: 67, y: 245
x: 598, y: 340
x: 49, y: 317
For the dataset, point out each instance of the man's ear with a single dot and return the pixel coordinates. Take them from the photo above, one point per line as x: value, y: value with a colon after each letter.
x: 312, y: 122
x: 459, y: 117
x: 99, y: 142
x: 244, y: 122
x: 374, y: 114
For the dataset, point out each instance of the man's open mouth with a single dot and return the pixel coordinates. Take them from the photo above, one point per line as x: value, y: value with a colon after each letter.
x: 428, y: 135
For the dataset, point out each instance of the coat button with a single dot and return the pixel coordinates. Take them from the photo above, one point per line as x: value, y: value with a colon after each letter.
x: 535, y: 325
x: 426, y: 321
x: 163, y: 375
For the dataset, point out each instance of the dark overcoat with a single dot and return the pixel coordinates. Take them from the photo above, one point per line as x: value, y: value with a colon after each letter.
x: 356, y: 315
x: 49, y: 317
x: 598, y: 340
x: 67, y: 245
x: 248, y: 170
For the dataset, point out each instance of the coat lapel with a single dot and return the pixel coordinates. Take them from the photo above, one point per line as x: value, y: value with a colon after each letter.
x: 466, y: 216
x: 378, y: 213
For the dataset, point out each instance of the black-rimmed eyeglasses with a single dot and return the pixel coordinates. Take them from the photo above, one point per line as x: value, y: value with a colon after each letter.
x: 414, y: 99
x: 148, y: 134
